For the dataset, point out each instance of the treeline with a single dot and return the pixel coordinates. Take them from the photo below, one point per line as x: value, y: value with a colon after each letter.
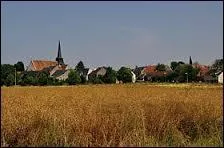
x: 180, y: 72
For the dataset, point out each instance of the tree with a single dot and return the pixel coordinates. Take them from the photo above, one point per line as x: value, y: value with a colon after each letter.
x: 124, y: 74
x: 173, y: 65
x: 80, y: 67
x: 19, y: 66
x: 160, y: 67
x: 29, y: 78
x: 6, y: 69
x: 43, y: 78
x: 186, y: 71
x: 110, y: 76
x: 10, y: 80
x: 73, y: 78
x: 180, y: 62
x: 218, y: 65
x: 83, y: 79
x: 190, y: 61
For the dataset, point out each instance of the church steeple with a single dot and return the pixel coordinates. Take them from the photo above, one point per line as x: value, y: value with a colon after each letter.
x: 59, y: 58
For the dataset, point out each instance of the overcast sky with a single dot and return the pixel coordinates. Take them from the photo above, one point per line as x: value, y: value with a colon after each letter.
x: 112, y: 33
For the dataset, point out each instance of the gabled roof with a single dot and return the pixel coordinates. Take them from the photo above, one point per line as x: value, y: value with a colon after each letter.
x: 41, y: 64
x: 94, y: 72
x: 58, y: 73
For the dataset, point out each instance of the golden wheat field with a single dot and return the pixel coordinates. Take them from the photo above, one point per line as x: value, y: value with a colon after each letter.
x: 112, y: 115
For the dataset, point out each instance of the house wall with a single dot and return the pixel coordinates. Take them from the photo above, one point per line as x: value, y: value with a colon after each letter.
x: 87, y: 76
x: 220, y: 78
x: 133, y: 77
x: 102, y: 72
x: 30, y: 67
x: 64, y: 76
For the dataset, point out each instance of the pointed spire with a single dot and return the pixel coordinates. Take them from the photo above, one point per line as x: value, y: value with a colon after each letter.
x: 59, y: 50
x: 59, y: 58
x: 190, y: 61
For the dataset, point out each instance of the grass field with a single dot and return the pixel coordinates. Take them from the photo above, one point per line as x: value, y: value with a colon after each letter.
x: 112, y: 115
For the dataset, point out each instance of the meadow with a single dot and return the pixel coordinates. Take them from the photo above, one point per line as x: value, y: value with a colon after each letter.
x: 113, y: 115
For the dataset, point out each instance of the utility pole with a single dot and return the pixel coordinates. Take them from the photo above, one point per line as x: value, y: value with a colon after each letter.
x: 15, y: 76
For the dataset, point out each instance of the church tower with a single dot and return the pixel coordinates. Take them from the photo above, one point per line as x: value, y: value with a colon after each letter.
x: 59, y: 58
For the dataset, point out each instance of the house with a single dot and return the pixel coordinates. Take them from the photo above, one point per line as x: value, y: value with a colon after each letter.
x: 133, y: 77
x: 220, y: 78
x: 139, y: 72
x: 100, y: 71
x: 86, y: 73
x: 55, y: 69
x: 61, y: 74
x: 209, y: 79
x: 151, y: 74
x: 203, y: 69
x: 149, y: 69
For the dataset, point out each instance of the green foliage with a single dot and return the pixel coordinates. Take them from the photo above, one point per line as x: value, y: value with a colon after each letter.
x: 96, y: 79
x: 43, y: 78
x: 180, y: 62
x: 110, y: 76
x: 83, y: 79
x: 217, y: 66
x: 186, y: 71
x: 10, y: 80
x: 124, y: 74
x: 160, y: 67
x: 29, y: 78
x: 19, y: 66
x: 173, y: 65
x: 73, y: 78
x: 6, y: 69
x: 80, y: 67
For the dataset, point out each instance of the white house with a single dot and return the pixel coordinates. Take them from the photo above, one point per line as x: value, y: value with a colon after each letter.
x: 133, y: 77
x: 220, y: 78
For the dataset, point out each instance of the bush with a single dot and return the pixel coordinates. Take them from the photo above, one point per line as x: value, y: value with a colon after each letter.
x: 73, y: 78
x: 124, y: 74
x: 110, y: 76
x: 10, y: 80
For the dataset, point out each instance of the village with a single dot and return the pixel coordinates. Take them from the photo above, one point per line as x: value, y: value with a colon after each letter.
x: 58, y: 72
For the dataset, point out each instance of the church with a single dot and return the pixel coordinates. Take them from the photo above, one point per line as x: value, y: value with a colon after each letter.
x: 57, y: 69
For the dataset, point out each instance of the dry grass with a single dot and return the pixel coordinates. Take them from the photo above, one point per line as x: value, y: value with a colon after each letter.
x: 112, y: 115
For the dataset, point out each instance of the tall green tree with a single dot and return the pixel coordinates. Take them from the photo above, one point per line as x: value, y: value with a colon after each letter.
x: 80, y: 67
x: 73, y: 78
x: 110, y: 76
x: 190, y: 61
x: 19, y: 66
x: 186, y: 71
x: 124, y: 74
x: 43, y: 78
x: 173, y: 65
x: 10, y: 80
x: 6, y: 69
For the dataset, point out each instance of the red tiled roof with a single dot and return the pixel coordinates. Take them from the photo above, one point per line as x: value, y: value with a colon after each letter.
x: 203, y: 69
x: 41, y: 64
x: 150, y: 69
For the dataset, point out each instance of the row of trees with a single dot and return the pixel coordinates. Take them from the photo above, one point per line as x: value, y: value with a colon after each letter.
x: 181, y: 72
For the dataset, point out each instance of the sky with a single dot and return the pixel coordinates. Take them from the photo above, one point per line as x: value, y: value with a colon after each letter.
x: 112, y: 33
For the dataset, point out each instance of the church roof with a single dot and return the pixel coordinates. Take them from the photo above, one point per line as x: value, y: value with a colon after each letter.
x: 41, y: 64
